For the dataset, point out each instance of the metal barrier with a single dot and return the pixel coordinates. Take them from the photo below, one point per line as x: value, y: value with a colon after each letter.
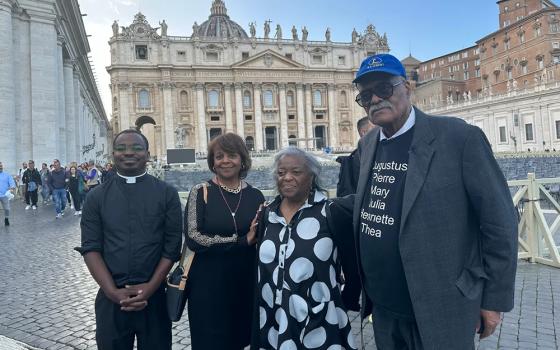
x: 536, y: 236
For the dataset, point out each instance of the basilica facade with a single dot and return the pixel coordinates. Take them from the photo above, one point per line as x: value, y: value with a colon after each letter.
x: 273, y: 89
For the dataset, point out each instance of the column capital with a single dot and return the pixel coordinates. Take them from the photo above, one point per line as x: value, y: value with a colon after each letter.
x: 166, y: 84
x: 228, y: 85
x: 282, y: 86
x: 308, y: 86
x: 331, y: 86
x: 257, y: 86
x: 238, y: 85
x: 199, y: 86
x: 299, y: 86
x: 124, y: 85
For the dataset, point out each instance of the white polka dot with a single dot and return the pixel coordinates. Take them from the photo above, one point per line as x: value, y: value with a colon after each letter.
x: 288, y: 345
x: 273, y: 218
x: 308, y: 228
x: 267, y: 295
x: 332, y: 316
x: 273, y: 337
x: 282, y: 233
x: 332, y: 273
x: 318, y: 308
x: 258, y: 274
x: 335, y: 347
x: 267, y: 252
x: 290, y: 248
x: 301, y: 269
x: 342, y: 318
x: 275, y: 276
x: 281, y: 320
x: 335, y: 254
x: 315, y: 338
x: 323, y: 248
x: 320, y: 292
x: 298, y: 308
x: 351, y: 340
x: 323, y: 211
x: 262, y: 316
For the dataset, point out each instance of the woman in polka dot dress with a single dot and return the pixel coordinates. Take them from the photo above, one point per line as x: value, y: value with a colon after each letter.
x: 299, y: 298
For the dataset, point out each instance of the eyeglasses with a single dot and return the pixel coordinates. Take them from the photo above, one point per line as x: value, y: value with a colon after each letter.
x: 136, y: 148
x: 383, y: 90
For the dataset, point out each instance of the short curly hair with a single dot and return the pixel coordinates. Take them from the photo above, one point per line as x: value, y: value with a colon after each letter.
x: 230, y: 143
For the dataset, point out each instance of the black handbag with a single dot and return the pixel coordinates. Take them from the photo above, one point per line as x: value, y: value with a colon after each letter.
x: 177, y: 291
x: 176, y: 294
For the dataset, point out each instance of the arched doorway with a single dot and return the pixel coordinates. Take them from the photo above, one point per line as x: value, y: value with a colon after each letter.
x: 270, y: 138
x: 250, y: 143
x: 292, y: 142
x: 320, y: 137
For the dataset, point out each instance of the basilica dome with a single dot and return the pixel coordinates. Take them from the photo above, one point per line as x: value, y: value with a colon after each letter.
x: 219, y: 25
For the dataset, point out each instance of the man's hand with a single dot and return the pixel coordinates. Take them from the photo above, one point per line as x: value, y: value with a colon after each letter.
x: 118, y: 294
x: 140, y: 293
x: 491, y: 321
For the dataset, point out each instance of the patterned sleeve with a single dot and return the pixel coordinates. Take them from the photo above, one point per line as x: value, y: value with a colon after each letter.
x: 198, y: 240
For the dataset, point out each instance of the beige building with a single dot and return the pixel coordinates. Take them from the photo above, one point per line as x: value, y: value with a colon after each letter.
x: 508, y: 84
x: 275, y: 89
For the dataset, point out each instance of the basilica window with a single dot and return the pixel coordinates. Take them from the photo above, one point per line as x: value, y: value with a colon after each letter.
x: 247, y: 103
x: 317, y: 98
x: 317, y: 59
x: 213, y: 98
x: 212, y: 56
x: 244, y: 55
x: 290, y: 99
x: 181, y: 55
x: 115, y: 106
x: 144, y: 99
x: 342, y: 99
x: 184, y: 98
x: 529, y: 132
x: 141, y: 52
x: 268, y: 98
x: 524, y: 69
x: 557, y: 124
x: 289, y: 56
x: 341, y: 60
x: 250, y: 142
x: 502, y: 131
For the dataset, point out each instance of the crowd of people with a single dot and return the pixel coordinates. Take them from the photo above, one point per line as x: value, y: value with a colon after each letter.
x: 426, y: 233
x: 56, y: 184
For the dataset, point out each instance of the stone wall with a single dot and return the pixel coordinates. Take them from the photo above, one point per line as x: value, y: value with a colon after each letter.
x: 514, y: 168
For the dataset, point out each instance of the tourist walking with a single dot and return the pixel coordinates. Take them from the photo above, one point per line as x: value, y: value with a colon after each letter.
x: 31, y: 178
x: 7, y: 188
x: 45, y: 188
x: 92, y: 176
x: 221, y: 278
x: 57, y: 180
x: 76, y: 186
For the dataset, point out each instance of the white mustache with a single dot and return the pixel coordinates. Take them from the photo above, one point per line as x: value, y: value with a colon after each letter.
x: 380, y: 105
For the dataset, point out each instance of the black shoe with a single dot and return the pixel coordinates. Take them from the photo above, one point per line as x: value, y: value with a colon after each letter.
x: 6, y: 222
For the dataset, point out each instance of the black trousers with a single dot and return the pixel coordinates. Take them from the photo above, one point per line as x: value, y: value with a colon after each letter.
x: 395, y: 334
x: 76, y: 199
x: 31, y: 197
x: 116, y: 329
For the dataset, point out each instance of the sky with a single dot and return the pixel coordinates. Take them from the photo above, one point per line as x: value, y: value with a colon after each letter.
x: 425, y: 28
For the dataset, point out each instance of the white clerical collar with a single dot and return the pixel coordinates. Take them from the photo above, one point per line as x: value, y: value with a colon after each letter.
x: 407, y: 126
x: 131, y: 179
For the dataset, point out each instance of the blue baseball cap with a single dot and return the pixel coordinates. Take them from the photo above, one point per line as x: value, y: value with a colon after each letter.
x: 381, y: 63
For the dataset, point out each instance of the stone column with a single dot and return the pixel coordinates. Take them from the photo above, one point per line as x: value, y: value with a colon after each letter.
x: 159, y: 146
x: 61, y: 141
x: 44, y: 89
x: 77, y: 117
x: 300, y: 115
x: 7, y: 106
x: 167, y: 88
x: 309, y: 116
x: 70, y: 110
x: 283, y: 117
x: 202, y: 133
x: 125, y: 89
x: 239, y: 110
x: 228, y: 107
x: 333, y: 122
x: 258, y: 117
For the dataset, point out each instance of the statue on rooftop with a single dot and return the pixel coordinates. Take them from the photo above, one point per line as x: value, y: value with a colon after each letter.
x: 294, y: 33
x: 304, y: 33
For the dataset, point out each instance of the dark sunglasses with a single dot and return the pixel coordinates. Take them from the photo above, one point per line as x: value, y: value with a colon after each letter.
x: 383, y: 90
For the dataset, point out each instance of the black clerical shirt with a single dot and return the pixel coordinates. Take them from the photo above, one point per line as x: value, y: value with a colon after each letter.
x: 133, y: 226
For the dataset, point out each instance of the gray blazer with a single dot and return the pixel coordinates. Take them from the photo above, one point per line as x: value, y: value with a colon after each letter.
x: 458, y: 233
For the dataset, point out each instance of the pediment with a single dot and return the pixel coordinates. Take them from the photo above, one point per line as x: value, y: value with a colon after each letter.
x: 268, y: 59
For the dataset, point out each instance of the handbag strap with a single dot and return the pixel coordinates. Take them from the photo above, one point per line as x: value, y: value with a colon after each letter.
x: 187, y: 265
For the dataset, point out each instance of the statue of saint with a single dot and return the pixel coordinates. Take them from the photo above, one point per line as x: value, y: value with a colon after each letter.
x: 266, y: 29
x: 294, y: 33
x: 163, y: 28
x: 278, y: 34
x: 304, y: 33
x: 195, y: 29
x: 328, y: 34
x: 354, y: 36
x: 115, y: 29
x: 252, y: 29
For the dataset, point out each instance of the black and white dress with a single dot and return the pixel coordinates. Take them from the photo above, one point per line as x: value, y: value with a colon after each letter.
x: 299, y: 300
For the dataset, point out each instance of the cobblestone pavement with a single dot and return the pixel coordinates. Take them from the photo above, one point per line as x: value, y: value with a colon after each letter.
x: 47, y: 294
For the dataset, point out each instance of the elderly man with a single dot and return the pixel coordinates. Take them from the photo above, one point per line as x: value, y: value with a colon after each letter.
x: 434, y: 222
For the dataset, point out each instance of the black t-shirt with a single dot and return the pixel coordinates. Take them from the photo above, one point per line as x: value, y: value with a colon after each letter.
x: 380, y: 214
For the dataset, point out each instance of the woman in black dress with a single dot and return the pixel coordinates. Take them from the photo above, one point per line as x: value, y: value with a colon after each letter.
x: 221, y: 231
x: 76, y: 188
